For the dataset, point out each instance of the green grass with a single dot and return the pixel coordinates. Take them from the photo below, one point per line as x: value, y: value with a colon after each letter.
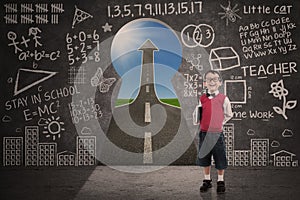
x: 120, y: 102
x: 173, y: 102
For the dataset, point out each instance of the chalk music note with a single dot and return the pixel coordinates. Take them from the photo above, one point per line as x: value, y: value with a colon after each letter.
x: 103, y: 83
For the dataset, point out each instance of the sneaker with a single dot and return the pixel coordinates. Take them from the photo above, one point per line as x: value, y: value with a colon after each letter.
x: 220, y: 187
x: 206, y: 184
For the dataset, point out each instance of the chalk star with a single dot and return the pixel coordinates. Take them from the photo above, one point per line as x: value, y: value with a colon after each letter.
x: 107, y: 27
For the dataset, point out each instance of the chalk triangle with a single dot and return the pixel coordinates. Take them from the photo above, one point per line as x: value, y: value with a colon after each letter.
x: 38, y: 77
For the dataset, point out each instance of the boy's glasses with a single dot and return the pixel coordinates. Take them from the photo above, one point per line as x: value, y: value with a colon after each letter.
x: 216, y: 79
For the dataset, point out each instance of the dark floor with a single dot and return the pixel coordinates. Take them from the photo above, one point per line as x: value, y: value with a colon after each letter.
x: 172, y: 182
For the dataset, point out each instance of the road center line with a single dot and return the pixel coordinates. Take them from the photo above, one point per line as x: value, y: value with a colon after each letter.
x: 148, y: 148
x: 147, y: 112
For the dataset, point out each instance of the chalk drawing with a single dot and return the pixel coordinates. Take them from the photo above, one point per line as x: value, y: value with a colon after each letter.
x: 57, y: 8
x: 46, y: 74
x: 11, y: 7
x: 275, y: 144
x: 229, y: 14
x: 86, y: 150
x: 195, y: 61
x: 287, y: 133
x: 77, y: 76
x: 27, y: 19
x: 53, y: 128
x: 86, y: 131
x: 34, y: 31
x: 41, y: 19
x: 25, y: 41
x: 27, y: 8
x: 80, y: 16
x: 10, y: 10
x: 12, y: 151
x: 30, y: 13
x: 242, y: 158
x: 259, y: 152
x: 278, y: 91
x: 236, y: 90
x: 42, y: 122
x: 107, y: 27
x: 66, y: 158
x: 103, y: 83
x: 223, y: 58
x: 54, y: 19
x: 31, y: 145
x: 228, y: 131
x: 41, y: 8
x: 6, y: 119
x: 30, y: 53
x: 46, y: 154
x: 18, y: 130
x: 202, y: 35
x: 11, y: 19
x: 13, y: 36
x: 250, y: 132
x: 284, y: 158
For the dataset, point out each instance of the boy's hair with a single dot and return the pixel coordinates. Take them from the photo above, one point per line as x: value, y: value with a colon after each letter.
x: 213, y: 72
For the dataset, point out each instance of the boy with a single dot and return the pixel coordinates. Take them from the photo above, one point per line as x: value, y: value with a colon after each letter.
x: 216, y: 111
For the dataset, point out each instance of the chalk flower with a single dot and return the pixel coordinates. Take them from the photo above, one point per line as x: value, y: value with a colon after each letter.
x: 278, y: 90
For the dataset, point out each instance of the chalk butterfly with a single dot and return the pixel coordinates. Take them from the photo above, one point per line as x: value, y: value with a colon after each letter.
x: 103, y: 83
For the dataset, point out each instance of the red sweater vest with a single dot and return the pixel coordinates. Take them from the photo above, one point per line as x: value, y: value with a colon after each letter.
x: 212, y: 113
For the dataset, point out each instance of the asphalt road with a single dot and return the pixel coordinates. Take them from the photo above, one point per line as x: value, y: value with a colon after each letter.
x: 128, y: 127
x: 148, y: 131
x: 172, y: 182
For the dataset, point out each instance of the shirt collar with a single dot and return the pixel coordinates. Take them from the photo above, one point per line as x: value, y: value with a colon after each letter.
x: 216, y: 92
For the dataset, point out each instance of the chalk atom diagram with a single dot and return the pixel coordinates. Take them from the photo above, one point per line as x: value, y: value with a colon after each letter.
x: 80, y: 16
x: 195, y: 61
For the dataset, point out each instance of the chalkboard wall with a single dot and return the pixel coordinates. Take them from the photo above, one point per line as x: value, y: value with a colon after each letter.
x: 116, y: 82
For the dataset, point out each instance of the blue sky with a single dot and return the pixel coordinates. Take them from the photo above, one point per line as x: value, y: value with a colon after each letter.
x: 126, y: 57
